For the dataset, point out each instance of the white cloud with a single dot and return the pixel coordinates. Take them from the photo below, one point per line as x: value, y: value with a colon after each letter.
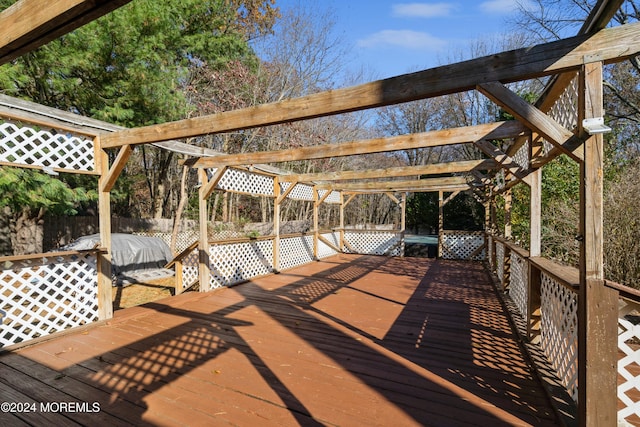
x: 503, y: 7
x: 422, y: 10
x: 403, y: 38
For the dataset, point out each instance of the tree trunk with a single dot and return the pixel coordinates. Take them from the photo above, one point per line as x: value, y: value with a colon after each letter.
x: 180, y: 209
x: 27, y: 233
x: 158, y: 201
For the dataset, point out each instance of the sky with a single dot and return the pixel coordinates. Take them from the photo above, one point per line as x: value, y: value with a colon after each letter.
x: 394, y: 37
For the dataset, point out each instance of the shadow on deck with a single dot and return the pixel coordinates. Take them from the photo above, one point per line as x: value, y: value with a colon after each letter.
x: 351, y: 340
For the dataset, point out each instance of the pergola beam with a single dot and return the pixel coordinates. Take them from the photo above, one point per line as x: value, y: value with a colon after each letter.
x: 503, y: 160
x: 430, y: 169
x: 535, y: 119
x: 599, y: 18
x: 29, y: 24
x: 410, y: 185
x: 461, y: 135
x: 609, y: 45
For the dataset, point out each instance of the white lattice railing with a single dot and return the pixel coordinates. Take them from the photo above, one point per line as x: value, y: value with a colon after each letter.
x: 559, y: 330
x: 559, y: 324
x: 373, y: 242
x: 295, y: 251
x: 629, y: 361
x: 518, y: 283
x: 187, y: 268
x: 232, y: 263
x: 25, y: 145
x: 47, y: 294
x: 325, y: 250
x: 463, y: 245
x: 239, y: 260
x: 500, y: 260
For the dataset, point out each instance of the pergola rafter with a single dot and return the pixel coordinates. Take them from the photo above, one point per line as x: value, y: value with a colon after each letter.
x: 27, y: 25
x: 608, y: 45
x: 437, y: 138
x: 429, y: 169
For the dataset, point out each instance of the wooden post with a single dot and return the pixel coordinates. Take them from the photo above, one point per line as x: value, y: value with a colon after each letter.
x: 440, y: 223
x: 403, y: 221
x: 507, y: 214
x: 177, y: 283
x: 341, y: 221
x: 203, y: 243
x: 535, y: 210
x: 597, y: 304
x: 276, y: 224
x: 487, y: 225
x: 535, y: 250
x: 103, y: 261
x: 316, y: 205
x: 493, y: 230
x: 506, y: 270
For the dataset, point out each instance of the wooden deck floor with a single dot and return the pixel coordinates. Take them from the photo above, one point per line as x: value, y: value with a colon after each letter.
x: 351, y: 341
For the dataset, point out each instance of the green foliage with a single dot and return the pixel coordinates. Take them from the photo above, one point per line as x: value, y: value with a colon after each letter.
x: 462, y: 212
x: 28, y: 190
x: 131, y: 67
x: 560, y: 181
x: 422, y: 211
x: 128, y: 67
x: 520, y: 212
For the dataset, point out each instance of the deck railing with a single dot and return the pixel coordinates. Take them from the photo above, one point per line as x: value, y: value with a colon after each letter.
x: 374, y: 242
x: 233, y: 261
x: 463, y: 245
x: 46, y: 293
x: 545, y: 295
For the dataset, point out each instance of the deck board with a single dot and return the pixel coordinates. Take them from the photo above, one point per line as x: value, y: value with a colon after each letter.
x: 350, y: 340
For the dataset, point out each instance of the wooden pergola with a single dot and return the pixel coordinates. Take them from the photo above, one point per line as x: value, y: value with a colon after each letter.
x: 536, y: 130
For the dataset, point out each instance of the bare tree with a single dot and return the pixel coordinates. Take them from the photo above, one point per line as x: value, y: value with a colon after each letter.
x: 554, y: 19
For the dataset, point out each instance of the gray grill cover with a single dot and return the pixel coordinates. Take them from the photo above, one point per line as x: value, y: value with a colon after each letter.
x: 129, y: 252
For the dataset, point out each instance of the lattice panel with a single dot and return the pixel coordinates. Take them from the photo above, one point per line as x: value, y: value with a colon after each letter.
x: 27, y: 146
x: 461, y: 245
x: 521, y: 157
x: 325, y: 250
x: 373, y: 243
x: 559, y: 331
x: 183, y: 240
x: 629, y: 364
x: 565, y: 109
x: 190, y: 269
x: 299, y: 192
x: 518, y: 284
x: 500, y: 260
x: 241, y: 181
x: 334, y: 197
x: 237, y: 262
x: 46, y: 295
x: 295, y: 251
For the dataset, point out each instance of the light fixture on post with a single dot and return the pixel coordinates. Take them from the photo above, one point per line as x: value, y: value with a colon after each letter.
x: 595, y: 125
